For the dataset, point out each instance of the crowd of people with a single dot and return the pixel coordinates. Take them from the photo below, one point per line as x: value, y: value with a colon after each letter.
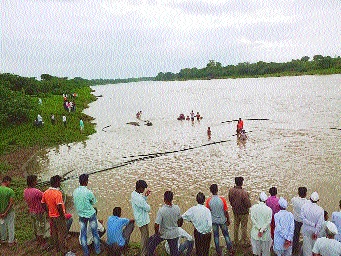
x: 69, y: 106
x: 274, y: 228
x: 192, y: 116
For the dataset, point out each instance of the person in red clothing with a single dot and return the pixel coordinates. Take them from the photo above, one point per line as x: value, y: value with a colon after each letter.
x: 240, y: 125
x: 33, y: 197
x: 272, y: 202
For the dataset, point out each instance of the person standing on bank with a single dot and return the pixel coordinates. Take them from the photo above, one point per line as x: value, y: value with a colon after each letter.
x: 167, y: 221
x: 297, y: 203
x: 240, y: 202
x: 7, y: 214
x: 141, y: 211
x: 261, y: 216
x: 220, y: 218
x: 201, y: 218
x: 312, y: 217
x: 272, y: 202
x: 284, y: 230
x: 84, y: 199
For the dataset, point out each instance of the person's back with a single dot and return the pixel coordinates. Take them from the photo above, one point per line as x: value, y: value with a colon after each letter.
x: 336, y: 219
x: 115, y: 225
x: 239, y: 200
x: 169, y: 216
x: 327, y: 247
x: 218, y: 206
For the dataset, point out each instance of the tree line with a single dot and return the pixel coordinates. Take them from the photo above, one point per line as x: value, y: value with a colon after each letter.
x: 318, y: 64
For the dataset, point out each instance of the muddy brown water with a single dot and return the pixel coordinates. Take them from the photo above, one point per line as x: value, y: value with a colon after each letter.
x: 295, y: 147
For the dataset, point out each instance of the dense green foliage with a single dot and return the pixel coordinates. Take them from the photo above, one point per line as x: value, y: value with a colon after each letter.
x: 18, y: 94
x: 318, y: 65
x: 20, y: 107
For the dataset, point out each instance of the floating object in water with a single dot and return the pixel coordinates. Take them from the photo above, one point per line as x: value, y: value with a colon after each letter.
x: 134, y: 123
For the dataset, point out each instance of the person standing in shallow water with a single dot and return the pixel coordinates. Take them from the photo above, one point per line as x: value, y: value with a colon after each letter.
x: 240, y: 202
x: 141, y: 211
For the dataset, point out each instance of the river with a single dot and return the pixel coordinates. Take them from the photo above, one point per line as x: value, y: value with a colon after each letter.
x: 295, y: 147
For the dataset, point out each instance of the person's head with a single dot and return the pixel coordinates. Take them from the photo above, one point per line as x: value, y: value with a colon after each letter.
x: 31, y: 180
x: 239, y: 181
x: 214, y: 189
x: 7, y: 181
x: 200, y: 198
x: 302, y: 192
x: 314, y: 197
x: 263, y: 197
x: 55, y: 181
x: 168, y: 196
x: 273, y: 191
x: 283, y: 204
x: 84, y: 179
x: 240, y: 119
x: 117, y: 211
x: 331, y: 229
x: 141, y: 185
x: 326, y: 216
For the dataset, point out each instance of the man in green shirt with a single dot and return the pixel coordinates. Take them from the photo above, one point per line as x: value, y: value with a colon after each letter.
x: 7, y: 214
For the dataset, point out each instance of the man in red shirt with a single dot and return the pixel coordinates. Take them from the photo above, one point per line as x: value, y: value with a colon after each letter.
x: 240, y: 125
x: 33, y: 197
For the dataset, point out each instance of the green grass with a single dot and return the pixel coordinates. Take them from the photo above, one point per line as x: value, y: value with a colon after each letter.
x: 15, y: 137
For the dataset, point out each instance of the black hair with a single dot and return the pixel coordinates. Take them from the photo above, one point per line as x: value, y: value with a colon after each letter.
x: 55, y: 180
x: 214, y: 189
x: 302, y: 192
x: 239, y: 181
x: 117, y: 211
x: 141, y: 184
x: 200, y: 198
x: 273, y: 191
x: 168, y: 196
x: 83, y: 179
x: 30, y: 180
x: 7, y: 179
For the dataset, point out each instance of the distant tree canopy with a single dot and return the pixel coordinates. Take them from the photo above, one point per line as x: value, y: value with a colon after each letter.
x: 16, y: 91
x: 215, y: 69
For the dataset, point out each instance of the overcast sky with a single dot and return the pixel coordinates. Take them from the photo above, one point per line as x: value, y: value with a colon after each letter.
x: 136, y: 38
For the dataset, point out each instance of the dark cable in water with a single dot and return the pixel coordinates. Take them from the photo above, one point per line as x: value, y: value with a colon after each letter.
x: 140, y: 157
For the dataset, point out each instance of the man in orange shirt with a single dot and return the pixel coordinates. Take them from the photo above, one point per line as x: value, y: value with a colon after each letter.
x: 53, y: 203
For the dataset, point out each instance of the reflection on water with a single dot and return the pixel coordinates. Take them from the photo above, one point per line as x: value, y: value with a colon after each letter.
x: 294, y: 148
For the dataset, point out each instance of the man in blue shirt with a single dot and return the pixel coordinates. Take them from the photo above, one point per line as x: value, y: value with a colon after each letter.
x: 84, y: 199
x: 119, y: 231
x: 284, y: 230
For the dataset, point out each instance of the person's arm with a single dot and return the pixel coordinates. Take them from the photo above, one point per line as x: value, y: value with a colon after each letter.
x: 180, y: 222
x: 9, y: 207
x: 157, y: 228
x: 61, y: 210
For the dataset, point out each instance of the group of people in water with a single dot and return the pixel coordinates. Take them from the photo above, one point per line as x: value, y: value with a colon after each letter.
x: 274, y: 228
x: 191, y: 116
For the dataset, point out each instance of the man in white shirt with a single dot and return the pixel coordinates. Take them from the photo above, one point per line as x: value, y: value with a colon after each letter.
x: 186, y: 246
x: 284, y: 230
x: 261, y: 216
x: 336, y: 219
x: 328, y: 246
x: 312, y: 217
x: 297, y: 203
x: 201, y: 218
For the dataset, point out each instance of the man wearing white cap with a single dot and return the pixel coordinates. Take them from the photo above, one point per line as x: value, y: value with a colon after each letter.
x: 312, y: 217
x: 284, y: 229
x: 261, y: 216
x: 336, y: 218
x: 328, y: 246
